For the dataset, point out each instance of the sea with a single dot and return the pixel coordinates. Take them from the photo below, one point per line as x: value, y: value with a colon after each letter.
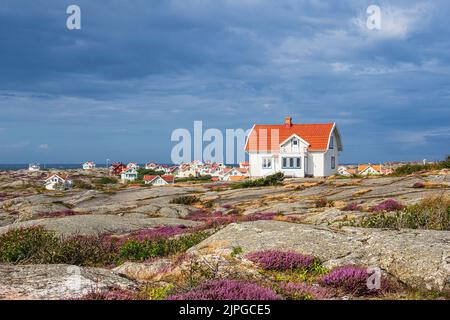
x: 65, y: 166
x: 59, y: 166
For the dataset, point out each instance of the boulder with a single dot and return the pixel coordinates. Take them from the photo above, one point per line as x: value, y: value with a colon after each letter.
x: 57, y: 281
x: 418, y: 258
x: 145, y: 270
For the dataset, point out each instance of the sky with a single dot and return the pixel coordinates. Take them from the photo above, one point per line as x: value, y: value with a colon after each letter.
x: 137, y: 70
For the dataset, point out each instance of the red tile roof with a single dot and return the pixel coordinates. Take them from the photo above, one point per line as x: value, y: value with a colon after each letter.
x: 316, y: 135
x: 166, y: 177
x: 362, y: 167
x: 63, y: 176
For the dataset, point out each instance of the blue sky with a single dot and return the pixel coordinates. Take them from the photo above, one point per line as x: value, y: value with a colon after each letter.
x: 139, y: 69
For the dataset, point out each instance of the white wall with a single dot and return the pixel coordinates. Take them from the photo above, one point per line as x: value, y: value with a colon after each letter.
x: 328, y: 171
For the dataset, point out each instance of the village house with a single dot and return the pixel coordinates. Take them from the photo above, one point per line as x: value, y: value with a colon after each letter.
x: 346, y: 171
x: 233, y: 174
x: 57, y: 181
x: 133, y: 165
x: 159, y: 180
x: 89, y: 165
x: 129, y: 174
x: 369, y: 169
x: 172, y: 170
x: 33, y: 167
x: 244, y: 165
x: 297, y: 150
x: 155, y: 167
x: 116, y: 168
x: 187, y: 170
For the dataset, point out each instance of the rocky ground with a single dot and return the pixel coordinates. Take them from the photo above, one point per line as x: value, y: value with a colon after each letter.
x: 308, y: 219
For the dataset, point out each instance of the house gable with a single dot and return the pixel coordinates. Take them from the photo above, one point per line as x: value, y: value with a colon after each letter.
x: 294, y: 144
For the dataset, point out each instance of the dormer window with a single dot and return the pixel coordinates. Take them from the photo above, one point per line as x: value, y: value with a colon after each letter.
x: 331, y: 142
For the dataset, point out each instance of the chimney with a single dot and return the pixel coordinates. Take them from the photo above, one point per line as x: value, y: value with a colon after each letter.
x: 288, y: 122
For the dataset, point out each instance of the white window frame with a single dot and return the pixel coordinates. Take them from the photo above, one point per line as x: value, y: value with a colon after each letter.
x: 264, y: 163
x: 333, y: 162
x: 294, y: 160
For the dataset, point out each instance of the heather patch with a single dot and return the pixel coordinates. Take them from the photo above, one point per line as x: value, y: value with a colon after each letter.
x: 352, y: 207
x: 281, y: 260
x: 218, y: 218
x: 302, y: 291
x: 227, y: 290
x: 60, y: 213
x: 156, y: 233
x: 387, y: 205
x: 353, y: 279
x: 112, y: 294
x: 418, y: 185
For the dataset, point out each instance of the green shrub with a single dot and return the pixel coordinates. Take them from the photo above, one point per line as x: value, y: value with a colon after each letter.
x: 431, y: 213
x: 26, y: 245
x: 89, y: 251
x: 140, y: 251
x: 236, y: 251
x: 187, y: 200
x: 195, y: 179
x: 157, y: 293
x: 81, y: 184
x: 272, y: 180
x: 107, y: 180
x: 35, y: 245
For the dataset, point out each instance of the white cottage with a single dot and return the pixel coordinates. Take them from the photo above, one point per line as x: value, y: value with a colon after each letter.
x: 129, y: 174
x: 57, y: 181
x: 89, y: 165
x: 157, y: 180
x: 297, y: 150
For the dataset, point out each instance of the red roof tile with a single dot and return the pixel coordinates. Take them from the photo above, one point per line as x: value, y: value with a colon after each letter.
x: 316, y: 135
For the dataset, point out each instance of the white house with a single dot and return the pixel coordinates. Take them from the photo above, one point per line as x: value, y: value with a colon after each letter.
x: 233, y: 174
x: 297, y: 150
x: 156, y: 180
x: 133, y: 165
x: 129, y: 174
x: 34, y: 167
x: 345, y: 171
x: 57, y: 181
x: 89, y: 165
x: 369, y: 169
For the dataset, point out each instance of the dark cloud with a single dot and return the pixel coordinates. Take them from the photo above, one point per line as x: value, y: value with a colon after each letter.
x: 139, y: 69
